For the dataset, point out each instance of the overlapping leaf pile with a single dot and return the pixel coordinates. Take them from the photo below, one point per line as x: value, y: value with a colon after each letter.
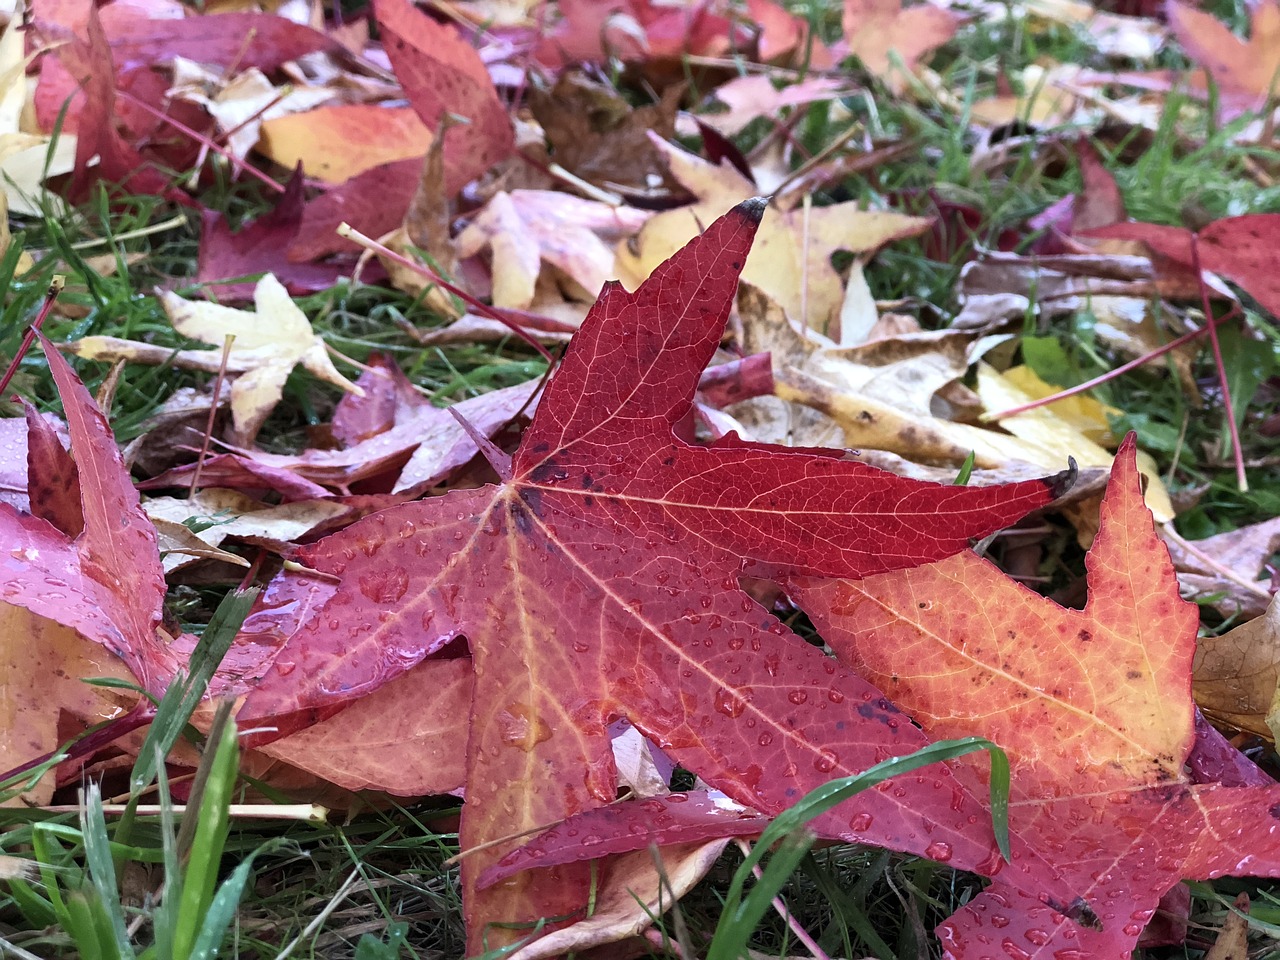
x: 604, y: 591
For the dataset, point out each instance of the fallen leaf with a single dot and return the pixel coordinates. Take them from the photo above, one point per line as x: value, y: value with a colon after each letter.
x: 571, y: 538
x: 1244, y: 68
x: 106, y: 583
x: 526, y: 228
x: 227, y: 513
x: 595, y: 134
x: 25, y: 162
x: 637, y: 888
x: 335, y: 143
x: 1242, y: 249
x: 791, y: 260
x: 423, y: 448
x: 43, y: 665
x: 751, y: 97
x: 102, y: 154
x: 882, y: 396
x: 1236, y: 674
x: 373, y: 202
x: 1093, y: 708
x: 1232, y: 941
x: 267, y: 345
x: 1228, y: 563
x: 261, y: 247
x: 242, y: 103
x: 682, y: 817
x: 441, y: 73
x: 878, y: 31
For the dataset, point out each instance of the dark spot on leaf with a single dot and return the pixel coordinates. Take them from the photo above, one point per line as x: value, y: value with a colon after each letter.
x: 1275, y: 810
x: 1134, y: 674
x: 1084, y: 636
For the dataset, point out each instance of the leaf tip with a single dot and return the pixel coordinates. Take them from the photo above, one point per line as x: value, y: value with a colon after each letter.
x: 1063, y: 481
x: 752, y: 209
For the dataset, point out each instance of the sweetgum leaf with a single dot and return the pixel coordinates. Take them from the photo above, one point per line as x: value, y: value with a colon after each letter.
x: 1094, y: 710
x: 106, y: 582
x: 600, y: 580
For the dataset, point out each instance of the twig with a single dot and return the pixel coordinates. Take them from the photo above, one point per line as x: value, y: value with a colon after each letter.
x: 801, y: 933
x: 213, y: 414
x: 354, y: 235
x: 1228, y: 407
x: 308, y: 812
x: 1254, y: 587
x: 55, y: 288
x: 1110, y: 374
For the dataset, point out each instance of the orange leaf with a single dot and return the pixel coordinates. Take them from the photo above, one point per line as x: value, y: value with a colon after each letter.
x: 1238, y: 66
x: 1094, y: 709
x: 337, y: 143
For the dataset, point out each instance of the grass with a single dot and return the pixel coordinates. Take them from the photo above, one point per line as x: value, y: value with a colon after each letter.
x: 376, y: 885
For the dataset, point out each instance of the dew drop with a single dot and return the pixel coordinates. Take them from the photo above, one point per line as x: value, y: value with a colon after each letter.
x: 826, y: 761
x: 835, y: 696
x: 765, y: 739
x: 385, y: 586
x: 1037, y: 937
x: 999, y: 921
x: 1132, y: 929
x: 797, y: 697
x: 1014, y: 951
x: 729, y: 702
x: 736, y: 643
x: 861, y: 823
x: 677, y: 798
x: 939, y: 851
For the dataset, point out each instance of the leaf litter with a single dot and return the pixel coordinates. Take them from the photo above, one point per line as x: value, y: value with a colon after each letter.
x: 454, y: 664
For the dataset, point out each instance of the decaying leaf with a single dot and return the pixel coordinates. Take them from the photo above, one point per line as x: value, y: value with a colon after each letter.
x: 1093, y: 708
x: 1236, y: 674
x: 600, y: 580
x: 1228, y: 564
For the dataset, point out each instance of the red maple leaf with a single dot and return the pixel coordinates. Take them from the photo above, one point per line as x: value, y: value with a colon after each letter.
x: 1093, y: 708
x: 600, y: 580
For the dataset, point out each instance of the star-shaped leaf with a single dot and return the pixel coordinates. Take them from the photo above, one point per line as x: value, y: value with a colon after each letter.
x: 1094, y: 710
x: 599, y: 580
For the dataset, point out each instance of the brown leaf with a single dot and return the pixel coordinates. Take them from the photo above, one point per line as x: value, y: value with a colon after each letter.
x: 596, y: 135
x: 1236, y: 673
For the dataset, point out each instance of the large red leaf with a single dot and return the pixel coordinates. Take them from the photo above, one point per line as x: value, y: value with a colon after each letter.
x: 600, y: 580
x: 1094, y: 709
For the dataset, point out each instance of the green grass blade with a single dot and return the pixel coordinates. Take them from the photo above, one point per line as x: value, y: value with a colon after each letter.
x: 102, y: 871
x: 183, y: 695
x: 222, y: 754
x: 742, y: 914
